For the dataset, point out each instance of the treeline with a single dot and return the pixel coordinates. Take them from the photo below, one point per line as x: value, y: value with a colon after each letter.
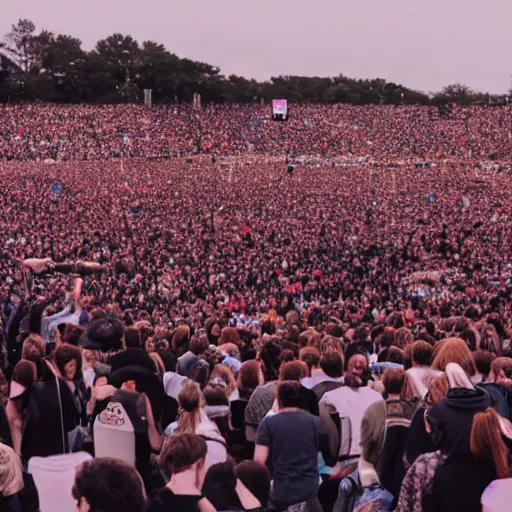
x: 49, y: 67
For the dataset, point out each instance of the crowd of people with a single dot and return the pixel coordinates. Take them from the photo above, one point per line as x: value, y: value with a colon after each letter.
x: 213, y: 334
x: 41, y: 132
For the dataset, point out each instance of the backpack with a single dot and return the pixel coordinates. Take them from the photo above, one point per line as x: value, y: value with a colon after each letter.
x: 353, y: 495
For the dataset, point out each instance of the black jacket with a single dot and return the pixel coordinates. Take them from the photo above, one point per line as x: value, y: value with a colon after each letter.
x: 452, y: 418
x: 459, y: 484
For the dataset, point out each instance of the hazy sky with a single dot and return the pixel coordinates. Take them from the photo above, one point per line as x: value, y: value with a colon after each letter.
x: 423, y: 44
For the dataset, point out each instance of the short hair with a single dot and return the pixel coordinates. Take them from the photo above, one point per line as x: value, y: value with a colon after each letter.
x: 294, y: 370
x: 422, y: 353
x: 215, y: 396
x: 287, y: 355
x: 72, y: 334
x: 288, y: 394
x: 64, y: 354
x: 180, y: 452
x: 331, y: 364
x: 132, y: 337
x: 310, y: 355
x: 198, y: 345
x: 109, y: 484
x: 249, y: 374
x: 393, y: 380
x: 256, y: 477
x: 483, y: 360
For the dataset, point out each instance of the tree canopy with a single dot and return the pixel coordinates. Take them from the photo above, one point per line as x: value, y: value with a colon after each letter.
x: 51, y: 67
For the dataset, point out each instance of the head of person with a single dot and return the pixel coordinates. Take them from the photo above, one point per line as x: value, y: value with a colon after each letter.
x: 483, y: 360
x: 198, y: 345
x: 72, y: 334
x: 402, y: 337
x: 12, y: 472
x: 256, y: 477
x: 215, y: 395
x: 356, y: 369
x: 23, y: 375
x: 184, y: 452
x: 331, y: 364
x: 504, y: 377
x: 190, y: 401
x: 103, y: 484
x: 33, y: 349
x: 422, y: 353
x: 219, y: 485
x: 180, y: 339
x: 487, y: 443
x: 104, y: 337
x: 437, y: 391
x: 294, y: 370
x: 330, y: 343
x: 453, y: 350
x: 250, y: 376
x: 393, y: 380
x: 310, y: 356
x: 270, y: 356
x: 68, y: 360
x: 288, y: 394
x: 497, y: 365
x: 223, y: 373
x: 229, y: 335
x: 132, y: 337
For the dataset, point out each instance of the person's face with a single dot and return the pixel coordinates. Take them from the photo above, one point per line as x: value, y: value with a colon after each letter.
x: 357, y: 365
x: 70, y: 370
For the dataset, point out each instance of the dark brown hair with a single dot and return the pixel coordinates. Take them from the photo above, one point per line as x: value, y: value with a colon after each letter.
x: 180, y: 452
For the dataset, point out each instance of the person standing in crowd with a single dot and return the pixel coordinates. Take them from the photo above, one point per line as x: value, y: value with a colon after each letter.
x: 183, y: 461
x: 292, y: 438
x: 108, y: 484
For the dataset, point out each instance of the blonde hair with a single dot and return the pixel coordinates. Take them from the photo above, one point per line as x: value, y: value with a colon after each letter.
x: 11, y: 471
x: 454, y: 350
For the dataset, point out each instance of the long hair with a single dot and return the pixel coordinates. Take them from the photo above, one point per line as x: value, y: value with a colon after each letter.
x: 454, y: 350
x: 190, y: 400
x: 487, y: 443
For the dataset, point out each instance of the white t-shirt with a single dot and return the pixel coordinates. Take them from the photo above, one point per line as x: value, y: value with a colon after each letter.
x: 54, y: 478
x: 497, y: 496
x: 352, y: 403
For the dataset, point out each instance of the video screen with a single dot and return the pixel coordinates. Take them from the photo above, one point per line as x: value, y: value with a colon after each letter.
x: 280, y: 109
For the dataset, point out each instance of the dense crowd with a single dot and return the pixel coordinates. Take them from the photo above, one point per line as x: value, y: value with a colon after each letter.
x: 213, y: 334
x: 40, y: 132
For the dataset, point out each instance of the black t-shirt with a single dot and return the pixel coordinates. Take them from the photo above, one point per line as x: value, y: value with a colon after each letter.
x: 164, y: 500
x: 459, y: 484
x: 294, y: 439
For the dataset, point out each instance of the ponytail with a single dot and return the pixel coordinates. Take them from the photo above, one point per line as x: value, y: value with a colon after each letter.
x: 486, y: 441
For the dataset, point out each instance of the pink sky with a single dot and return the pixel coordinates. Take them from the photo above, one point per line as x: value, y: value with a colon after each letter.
x: 423, y: 44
